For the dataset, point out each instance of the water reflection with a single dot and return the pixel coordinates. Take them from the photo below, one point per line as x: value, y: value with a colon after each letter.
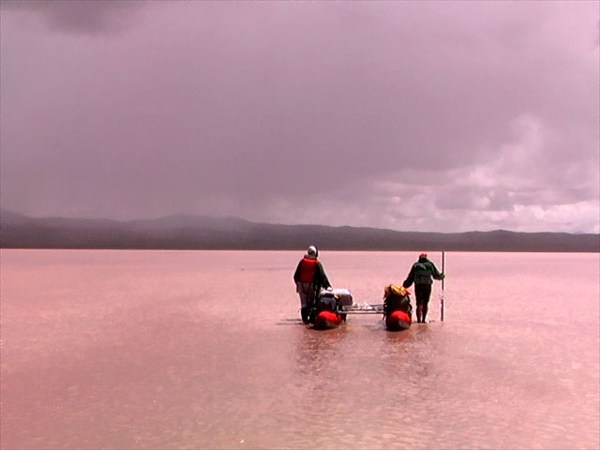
x: 413, y: 346
x: 107, y: 363
x: 364, y: 384
x: 318, y: 351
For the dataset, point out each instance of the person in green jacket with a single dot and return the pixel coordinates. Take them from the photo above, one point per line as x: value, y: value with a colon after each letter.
x: 422, y: 273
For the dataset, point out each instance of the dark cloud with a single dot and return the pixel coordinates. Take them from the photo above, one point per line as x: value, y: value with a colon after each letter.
x: 469, y: 115
x: 80, y: 16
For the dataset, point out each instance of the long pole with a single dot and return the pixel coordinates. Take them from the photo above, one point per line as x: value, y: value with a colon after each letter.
x: 443, y: 271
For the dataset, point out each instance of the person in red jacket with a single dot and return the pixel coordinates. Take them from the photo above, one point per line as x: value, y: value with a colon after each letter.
x: 310, y: 278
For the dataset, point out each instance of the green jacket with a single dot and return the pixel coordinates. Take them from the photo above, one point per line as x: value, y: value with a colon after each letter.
x: 423, y: 272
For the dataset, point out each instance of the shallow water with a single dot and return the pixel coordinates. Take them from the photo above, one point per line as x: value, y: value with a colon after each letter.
x: 192, y: 349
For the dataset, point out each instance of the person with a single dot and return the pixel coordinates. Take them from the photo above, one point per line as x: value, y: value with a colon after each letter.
x: 310, y: 278
x: 422, y: 274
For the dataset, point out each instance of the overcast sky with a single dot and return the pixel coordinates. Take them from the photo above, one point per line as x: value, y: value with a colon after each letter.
x: 426, y: 116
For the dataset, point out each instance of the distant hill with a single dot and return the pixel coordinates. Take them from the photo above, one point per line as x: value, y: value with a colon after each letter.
x: 201, y: 232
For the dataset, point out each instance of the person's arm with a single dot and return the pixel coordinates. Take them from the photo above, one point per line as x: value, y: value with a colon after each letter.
x: 435, y: 273
x: 323, y: 281
x: 410, y: 278
x: 297, y: 272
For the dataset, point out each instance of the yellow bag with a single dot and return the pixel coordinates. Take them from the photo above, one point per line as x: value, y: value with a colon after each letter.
x: 395, y: 289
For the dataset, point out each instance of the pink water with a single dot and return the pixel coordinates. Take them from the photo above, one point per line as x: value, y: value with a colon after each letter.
x: 192, y: 349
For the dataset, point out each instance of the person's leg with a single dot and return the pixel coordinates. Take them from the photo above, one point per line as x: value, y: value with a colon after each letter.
x: 419, y: 311
x: 304, y: 314
x: 311, y: 301
x: 303, y: 290
x: 419, y: 308
x: 426, y: 293
x: 422, y: 296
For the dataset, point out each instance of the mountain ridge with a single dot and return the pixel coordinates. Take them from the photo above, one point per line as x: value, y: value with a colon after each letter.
x: 184, y: 231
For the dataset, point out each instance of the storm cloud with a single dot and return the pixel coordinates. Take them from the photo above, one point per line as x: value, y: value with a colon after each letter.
x: 428, y: 116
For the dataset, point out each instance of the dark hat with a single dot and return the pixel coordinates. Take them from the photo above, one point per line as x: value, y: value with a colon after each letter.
x: 423, y: 255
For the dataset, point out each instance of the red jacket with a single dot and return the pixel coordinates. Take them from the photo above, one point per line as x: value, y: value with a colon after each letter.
x: 310, y: 270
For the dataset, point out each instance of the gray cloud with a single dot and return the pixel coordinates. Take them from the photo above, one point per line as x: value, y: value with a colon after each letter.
x: 467, y: 115
x: 92, y: 17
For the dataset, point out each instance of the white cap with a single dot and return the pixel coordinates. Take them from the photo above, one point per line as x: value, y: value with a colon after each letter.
x: 312, y: 251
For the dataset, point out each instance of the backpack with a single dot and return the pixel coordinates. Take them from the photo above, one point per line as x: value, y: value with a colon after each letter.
x: 396, y: 298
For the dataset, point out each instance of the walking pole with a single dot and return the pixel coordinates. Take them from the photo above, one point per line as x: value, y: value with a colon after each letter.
x: 442, y: 298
